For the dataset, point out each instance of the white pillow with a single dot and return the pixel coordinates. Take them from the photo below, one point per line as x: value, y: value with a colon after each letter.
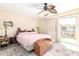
x: 27, y: 33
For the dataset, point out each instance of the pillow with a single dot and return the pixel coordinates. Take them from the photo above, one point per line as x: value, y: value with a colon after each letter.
x: 27, y: 33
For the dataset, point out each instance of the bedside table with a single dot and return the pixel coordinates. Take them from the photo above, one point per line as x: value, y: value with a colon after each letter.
x: 4, y: 40
x: 12, y: 40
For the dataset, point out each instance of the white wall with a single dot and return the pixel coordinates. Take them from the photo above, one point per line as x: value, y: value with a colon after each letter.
x: 19, y: 20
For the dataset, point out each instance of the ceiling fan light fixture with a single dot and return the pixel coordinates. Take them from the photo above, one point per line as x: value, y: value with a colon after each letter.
x: 46, y: 13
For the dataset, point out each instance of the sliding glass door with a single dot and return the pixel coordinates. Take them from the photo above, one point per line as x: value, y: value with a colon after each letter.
x: 67, y: 32
x: 68, y: 28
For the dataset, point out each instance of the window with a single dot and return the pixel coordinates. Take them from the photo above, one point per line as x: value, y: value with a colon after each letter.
x: 68, y: 28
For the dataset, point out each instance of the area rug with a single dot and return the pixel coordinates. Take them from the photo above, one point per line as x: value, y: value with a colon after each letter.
x: 17, y: 50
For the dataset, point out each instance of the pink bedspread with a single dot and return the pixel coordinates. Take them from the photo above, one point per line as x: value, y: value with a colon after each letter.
x: 28, y: 39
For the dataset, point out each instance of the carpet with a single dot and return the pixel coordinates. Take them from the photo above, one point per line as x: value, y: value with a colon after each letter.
x: 17, y: 50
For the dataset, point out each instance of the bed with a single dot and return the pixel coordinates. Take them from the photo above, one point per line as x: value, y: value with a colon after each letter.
x: 27, y: 39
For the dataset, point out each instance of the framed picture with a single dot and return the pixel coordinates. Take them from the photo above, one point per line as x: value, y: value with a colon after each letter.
x: 8, y: 23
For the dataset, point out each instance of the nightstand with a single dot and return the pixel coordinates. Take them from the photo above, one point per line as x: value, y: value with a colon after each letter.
x: 4, y: 40
x: 12, y: 40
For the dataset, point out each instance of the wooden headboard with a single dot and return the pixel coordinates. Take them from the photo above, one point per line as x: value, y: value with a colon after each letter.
x: 20, y: 31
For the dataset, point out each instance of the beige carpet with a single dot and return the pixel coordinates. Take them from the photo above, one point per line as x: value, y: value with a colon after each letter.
x: 17, y: 50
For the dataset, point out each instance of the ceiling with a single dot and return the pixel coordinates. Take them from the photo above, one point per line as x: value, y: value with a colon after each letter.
x: 34, y: 8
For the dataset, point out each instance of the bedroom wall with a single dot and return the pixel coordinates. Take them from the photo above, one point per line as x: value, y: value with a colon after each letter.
x: 19, y: 20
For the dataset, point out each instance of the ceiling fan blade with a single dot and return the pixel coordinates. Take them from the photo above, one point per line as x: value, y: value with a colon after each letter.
x: 50, y: 7
x: 40, y: 12
x: 53, y: 11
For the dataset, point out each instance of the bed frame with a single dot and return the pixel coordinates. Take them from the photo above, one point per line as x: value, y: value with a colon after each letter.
x: 20, y: 31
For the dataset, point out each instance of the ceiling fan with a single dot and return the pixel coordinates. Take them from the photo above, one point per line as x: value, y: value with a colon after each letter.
x: 49, y: 8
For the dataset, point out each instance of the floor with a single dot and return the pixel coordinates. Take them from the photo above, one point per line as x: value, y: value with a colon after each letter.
x: 17, y: 50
